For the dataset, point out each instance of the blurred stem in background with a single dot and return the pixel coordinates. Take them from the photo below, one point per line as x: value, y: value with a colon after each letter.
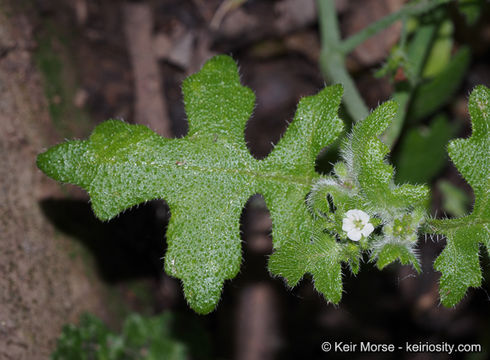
x: 334, y: 50
x: 332, y: 60
x: 425, y: 71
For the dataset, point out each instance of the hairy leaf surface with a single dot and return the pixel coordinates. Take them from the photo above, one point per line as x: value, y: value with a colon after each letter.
x: 206, y: 177
x: 459, y: 261
x: 365, y: 157
x: 364, y: 180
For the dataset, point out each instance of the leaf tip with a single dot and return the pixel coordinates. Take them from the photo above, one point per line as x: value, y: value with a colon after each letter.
x: 42, y: 161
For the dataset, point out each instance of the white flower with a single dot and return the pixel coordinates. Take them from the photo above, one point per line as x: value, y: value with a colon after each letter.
x: 356, y: 224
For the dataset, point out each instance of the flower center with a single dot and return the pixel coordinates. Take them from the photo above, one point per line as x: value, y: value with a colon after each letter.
x: 358, y: 224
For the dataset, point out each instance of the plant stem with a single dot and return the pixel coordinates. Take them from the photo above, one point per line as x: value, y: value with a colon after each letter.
x: 411, y: 9
x: 417, y: 54
x: 334, y: 50
x: 332, y: 60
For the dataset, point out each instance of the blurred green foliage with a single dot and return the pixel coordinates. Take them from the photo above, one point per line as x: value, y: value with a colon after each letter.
x: 55, y: 60
x: 421, y: 154
x: 455, y: 202
x: 436, y: 91
x: 425, y: 72
x: 471, y: 10
x: 148, y: 338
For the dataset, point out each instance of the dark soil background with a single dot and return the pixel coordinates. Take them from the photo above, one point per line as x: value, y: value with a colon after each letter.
x: 113, y: 59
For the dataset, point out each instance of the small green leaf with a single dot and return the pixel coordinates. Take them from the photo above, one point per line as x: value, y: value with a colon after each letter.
x: 418, y: 48
x: 320, y: 257
x: 459, y: 261
x: 440, y: 51
x: 365, y: 155
x: 206, y: 177
x: 392, y: 252
x: 435, y: 93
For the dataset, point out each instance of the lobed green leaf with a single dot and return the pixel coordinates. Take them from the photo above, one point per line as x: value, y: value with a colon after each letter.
x: 206, y: 177
x: 459, y: 261
x: 321, y: 258
x: 365, y: 156
x: 392, y: 252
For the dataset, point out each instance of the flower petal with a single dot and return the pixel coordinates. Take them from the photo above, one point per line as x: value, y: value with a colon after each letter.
x: 363, y: 217
x: 351, y: 214
x: 367, y: 230
x: 354, y: 235
x: 356, y: 213
x: 347, y: 225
